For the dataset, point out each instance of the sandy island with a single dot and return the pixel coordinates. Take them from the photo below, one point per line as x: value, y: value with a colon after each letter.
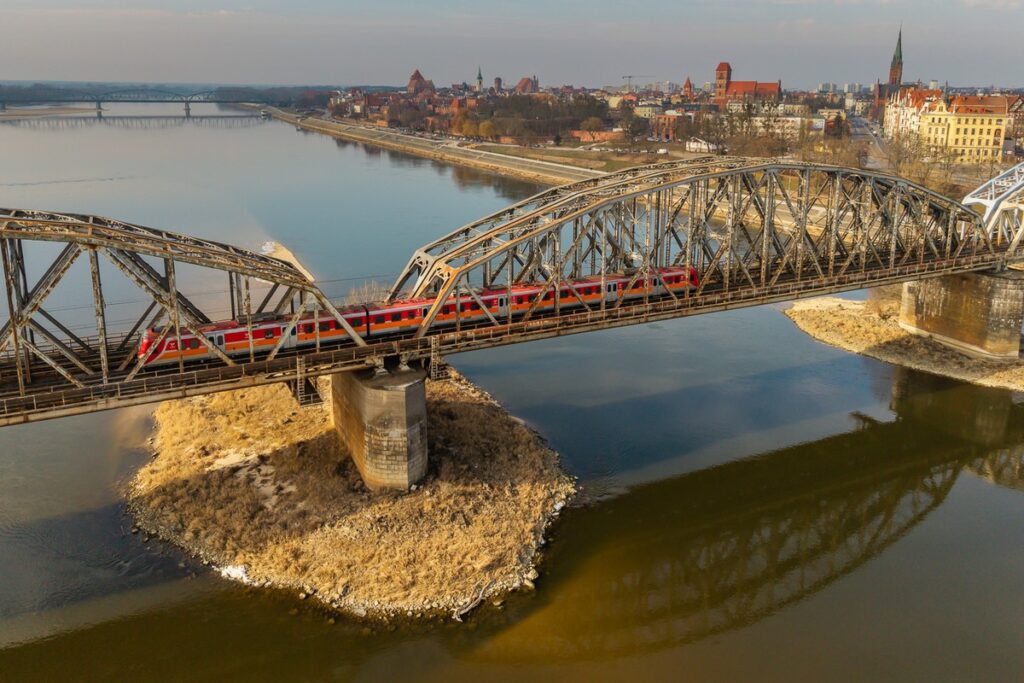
x: 16, y: 113
x: 871, y: 328
x: 265, y: 491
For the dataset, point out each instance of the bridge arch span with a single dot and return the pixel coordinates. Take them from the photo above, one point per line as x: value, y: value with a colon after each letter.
x: 35, y: 338
x: 750, y: 228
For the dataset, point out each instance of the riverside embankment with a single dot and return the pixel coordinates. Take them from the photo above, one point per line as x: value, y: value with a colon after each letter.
x: 266, y: 492
x: 443, y: 150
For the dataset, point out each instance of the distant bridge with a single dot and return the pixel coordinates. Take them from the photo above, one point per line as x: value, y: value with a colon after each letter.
x: 221, y: 121
x: 140, y: 95
x: 755, y: 231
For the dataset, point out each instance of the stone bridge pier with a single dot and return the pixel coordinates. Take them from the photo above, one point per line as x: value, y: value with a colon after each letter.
x: 979, y: 314
x: 382, y: 419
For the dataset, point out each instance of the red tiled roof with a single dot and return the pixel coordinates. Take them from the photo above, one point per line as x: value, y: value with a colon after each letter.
x: 979, y: 105
x: 749, y: 88
x: 723, y: 66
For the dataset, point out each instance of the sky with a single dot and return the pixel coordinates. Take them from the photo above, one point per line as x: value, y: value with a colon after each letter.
x: 580, y: 42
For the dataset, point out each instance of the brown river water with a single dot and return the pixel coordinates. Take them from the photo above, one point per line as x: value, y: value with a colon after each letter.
x: 755, y: 505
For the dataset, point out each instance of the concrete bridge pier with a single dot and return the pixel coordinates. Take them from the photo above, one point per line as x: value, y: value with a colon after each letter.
x: 188, y: 110
x: 382, y: 418
x: 979, y: 314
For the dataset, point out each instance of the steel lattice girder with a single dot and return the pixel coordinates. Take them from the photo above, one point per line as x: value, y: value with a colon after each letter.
x: 1003, y: 199
x: 739, y: 223
x: 33, y: 334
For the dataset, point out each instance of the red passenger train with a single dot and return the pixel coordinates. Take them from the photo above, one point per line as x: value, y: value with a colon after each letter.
x: 231, y: 336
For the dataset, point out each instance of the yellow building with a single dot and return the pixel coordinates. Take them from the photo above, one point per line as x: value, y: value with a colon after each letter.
x: 971, y: 129
x: 967, y: 129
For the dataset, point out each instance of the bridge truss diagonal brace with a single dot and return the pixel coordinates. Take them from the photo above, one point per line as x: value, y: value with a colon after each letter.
x: 166, y: 295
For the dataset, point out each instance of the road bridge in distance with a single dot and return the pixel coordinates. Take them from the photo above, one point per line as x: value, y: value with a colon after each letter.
x: 130, y: 95
x: 751, y: 232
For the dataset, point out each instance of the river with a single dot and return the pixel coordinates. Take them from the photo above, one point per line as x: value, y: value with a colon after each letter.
x: 755, y: 505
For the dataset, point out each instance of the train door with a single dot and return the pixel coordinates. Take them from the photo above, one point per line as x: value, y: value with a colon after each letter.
x: 610, y: 294
x: 216, y: 339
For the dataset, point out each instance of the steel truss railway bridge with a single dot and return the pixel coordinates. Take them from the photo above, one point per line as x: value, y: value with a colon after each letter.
x: 756, y: 231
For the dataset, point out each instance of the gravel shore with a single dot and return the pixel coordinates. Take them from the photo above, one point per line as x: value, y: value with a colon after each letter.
x: 871, y: 328
x: 265, y: 491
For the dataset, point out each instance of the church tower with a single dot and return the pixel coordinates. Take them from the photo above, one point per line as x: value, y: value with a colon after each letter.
x: 896, y: 68
x: 479, y: 80
x: 723, y: 76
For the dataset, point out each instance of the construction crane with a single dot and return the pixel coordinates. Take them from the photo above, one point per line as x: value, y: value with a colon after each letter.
x: 629, y: 80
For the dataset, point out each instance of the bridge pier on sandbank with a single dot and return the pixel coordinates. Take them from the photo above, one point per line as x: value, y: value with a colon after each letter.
x: 979, y: 314
x: 382, y: 419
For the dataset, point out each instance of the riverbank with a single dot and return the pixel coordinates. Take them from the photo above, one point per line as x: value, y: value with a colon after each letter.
x: 871, y: 328
x: 265, y: 491
x: 442, y: 150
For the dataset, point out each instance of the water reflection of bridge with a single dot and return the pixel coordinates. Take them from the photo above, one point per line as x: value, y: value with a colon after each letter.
x: 48, y: 123
x: 680, y: 560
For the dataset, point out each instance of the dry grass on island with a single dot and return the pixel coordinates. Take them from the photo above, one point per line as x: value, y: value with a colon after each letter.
x: 871, y: 328
x: 248, y: 480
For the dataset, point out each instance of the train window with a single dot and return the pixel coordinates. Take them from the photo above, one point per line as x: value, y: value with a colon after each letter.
x: 295, y: 331
x: 193, y: 343
x: 395, y: 317
x: 446, y: 310
x: 549, y: 295
x: 501, y: 301
x: 379, y: 320
x: 475, y: 306
x: 268, y: 334
x: 220, y: 340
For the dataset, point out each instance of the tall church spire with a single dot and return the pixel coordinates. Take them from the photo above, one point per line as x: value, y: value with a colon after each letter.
x: 896, y: 68
x: 897, y: 57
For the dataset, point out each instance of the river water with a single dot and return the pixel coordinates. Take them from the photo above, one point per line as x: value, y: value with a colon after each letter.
x: 755, y: 505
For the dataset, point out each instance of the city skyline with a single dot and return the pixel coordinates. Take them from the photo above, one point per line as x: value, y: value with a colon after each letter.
x: 590, y: 44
